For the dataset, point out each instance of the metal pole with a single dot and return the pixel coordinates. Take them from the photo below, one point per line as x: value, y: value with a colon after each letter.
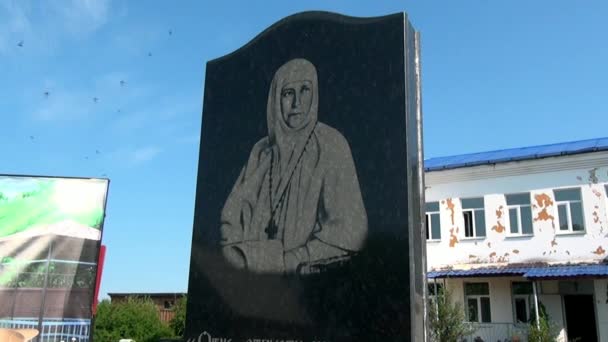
x: 436, y: 296
x: 46, y: 281
x: 437, y: 300
x: 15, y: 294
x: 536, y: 304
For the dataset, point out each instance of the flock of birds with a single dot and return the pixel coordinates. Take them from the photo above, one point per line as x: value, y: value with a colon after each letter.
x: 95, y: 99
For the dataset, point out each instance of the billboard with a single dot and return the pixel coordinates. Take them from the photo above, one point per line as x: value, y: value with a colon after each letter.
x: 50, y: 236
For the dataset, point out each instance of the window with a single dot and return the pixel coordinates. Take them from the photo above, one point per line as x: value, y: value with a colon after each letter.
x: 431, y: 286
x: 433, y: 227
x: 434, y: 289
x: 520, y: 213
x: 474, y: 217
x: 569, y: 210
x: 169, y: 304
x: 477, y: 297
x: 522, y: 301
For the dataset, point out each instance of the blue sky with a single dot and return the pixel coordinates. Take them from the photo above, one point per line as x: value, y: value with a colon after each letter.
x: 496, y: 74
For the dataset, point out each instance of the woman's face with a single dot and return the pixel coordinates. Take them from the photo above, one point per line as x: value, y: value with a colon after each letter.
x: 296, y: 99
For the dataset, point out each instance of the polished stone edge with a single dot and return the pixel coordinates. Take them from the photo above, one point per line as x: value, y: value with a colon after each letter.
x: 311, y: 15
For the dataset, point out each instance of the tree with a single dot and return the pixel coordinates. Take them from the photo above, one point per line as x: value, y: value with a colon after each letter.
x: 178, y: 323
x: 447, y: 319
x: 136, y: 318
x: 544, y: 330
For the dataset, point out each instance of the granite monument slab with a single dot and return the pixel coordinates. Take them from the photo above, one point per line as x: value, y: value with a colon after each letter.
x: 309, y: 196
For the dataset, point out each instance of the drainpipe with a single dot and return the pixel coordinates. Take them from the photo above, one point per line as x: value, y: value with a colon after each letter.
x: 536, y: 304
x: 436, y: 295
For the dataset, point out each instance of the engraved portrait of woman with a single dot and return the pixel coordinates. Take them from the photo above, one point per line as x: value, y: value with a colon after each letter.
x: 297, y: 200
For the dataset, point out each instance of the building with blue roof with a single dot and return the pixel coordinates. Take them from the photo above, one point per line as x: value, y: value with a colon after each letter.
x: 516, y: 154
x: 514, y: 230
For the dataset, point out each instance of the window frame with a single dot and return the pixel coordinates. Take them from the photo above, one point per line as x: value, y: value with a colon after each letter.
x: 429, y: 222
x: 606, y: 194
x: 477, y: 298
x: 528, y: 303
x: 527, y: 297
x: 431, y: 290
x: 473, y: 220
x: 567, y: 203
x: 518, y: 210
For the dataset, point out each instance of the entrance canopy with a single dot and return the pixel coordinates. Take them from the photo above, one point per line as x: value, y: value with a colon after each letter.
x: 529, y: 271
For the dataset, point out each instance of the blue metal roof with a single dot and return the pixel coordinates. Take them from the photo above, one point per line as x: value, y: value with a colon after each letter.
x: 568, y: 271
x: 532, y: 272
x: 516, y: 154
x: 478, y: 272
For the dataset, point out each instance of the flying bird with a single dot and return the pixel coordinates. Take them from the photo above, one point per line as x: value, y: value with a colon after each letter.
x: 170, y: 32
x: 122, y: 83
x: 46, y: 94
x: 95, y: 99
x: 97, y: 152
x: 149, y: 54
x: 31, y: 137
x: 20, y: 44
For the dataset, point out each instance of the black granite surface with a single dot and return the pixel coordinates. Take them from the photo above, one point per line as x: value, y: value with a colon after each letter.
x: 367, y: 93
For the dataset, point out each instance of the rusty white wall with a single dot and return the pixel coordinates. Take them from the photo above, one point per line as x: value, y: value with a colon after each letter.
x: 540, y: 177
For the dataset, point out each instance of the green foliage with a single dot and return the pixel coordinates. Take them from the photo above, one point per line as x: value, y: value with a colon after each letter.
x: 40, y: 207
x: 545, y: 330
x: 447, y: 319
x: 135, y: 319
x: 178, y: 323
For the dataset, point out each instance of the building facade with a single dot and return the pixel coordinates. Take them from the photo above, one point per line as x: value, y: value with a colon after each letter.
x: 515, y: 231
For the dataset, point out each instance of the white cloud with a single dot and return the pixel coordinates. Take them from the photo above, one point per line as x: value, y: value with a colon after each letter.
x: 42, y: 25
x: 63, y: 105
x: 80, y: 17
x: 144, y: 154
x: 133, y: 156
x: 72, y: 103
x: 154, y: 111
x: 189, y: 139
x: 138, y: 39
x: 15, y: 26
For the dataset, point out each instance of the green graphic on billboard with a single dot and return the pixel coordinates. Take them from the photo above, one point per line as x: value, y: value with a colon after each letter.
x: 28, y: 204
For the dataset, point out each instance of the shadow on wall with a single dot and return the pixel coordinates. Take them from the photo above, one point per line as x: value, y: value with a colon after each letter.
x: 365, y: 297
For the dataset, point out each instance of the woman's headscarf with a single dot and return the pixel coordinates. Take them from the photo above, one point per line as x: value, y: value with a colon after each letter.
x: 291, y: 141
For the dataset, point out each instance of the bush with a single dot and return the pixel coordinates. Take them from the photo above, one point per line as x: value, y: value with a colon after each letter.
x: 135, y: 319
x: 447, y: 319
x: 178, y: 323
x: 545, y: 330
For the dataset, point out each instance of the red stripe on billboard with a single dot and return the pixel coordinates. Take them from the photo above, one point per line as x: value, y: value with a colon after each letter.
x: 102, y: 256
